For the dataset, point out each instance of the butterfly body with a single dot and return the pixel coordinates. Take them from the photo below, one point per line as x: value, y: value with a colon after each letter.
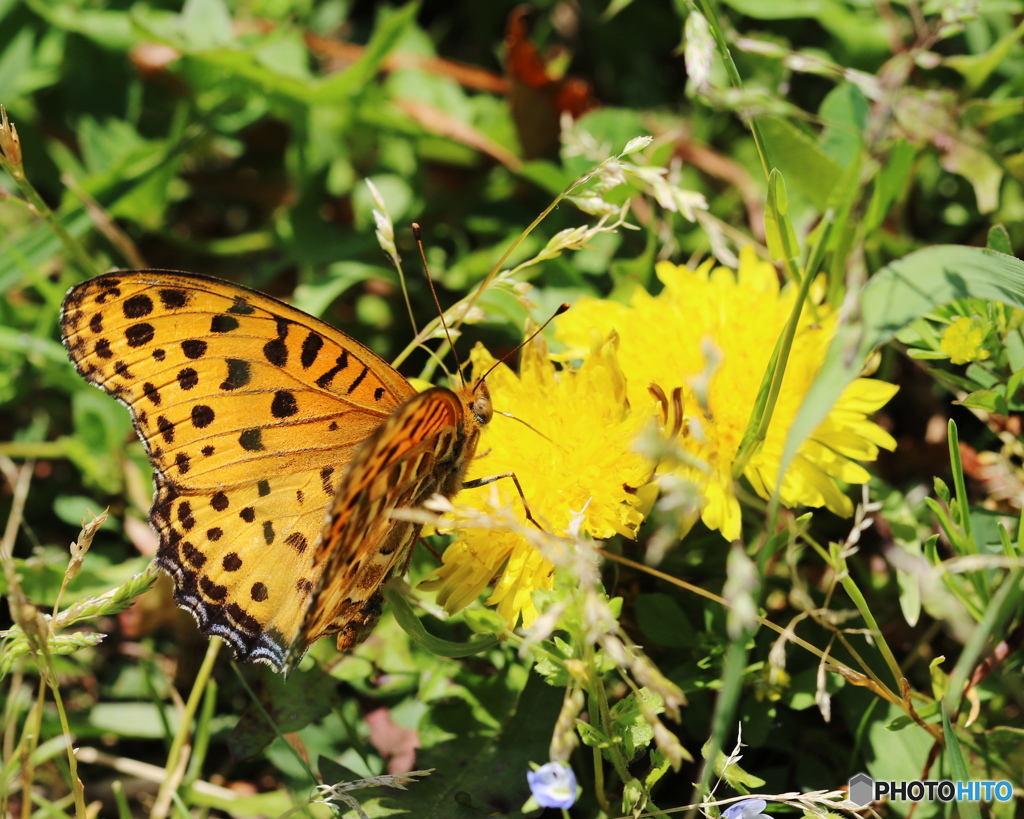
x: 280, y: 446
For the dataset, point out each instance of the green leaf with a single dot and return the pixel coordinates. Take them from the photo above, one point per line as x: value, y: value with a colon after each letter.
x: 987, y: 400
x: 630, y: 725
x: 845, y: 112
x: 662, y: 621
x: 999, y: 239
x: 977, y: 68
x: 491, y: 767
x: 206, y: 23
x: 133, y: 719
x: 810, y: 171
x: 967, y: 810
x: 292, y: 703
x: 412, y: 626
x: 392, y: 25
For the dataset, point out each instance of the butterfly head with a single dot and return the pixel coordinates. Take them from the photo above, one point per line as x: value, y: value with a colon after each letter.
x: 480, y: 403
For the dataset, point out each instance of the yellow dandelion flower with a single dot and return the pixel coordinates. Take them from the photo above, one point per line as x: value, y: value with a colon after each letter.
x: 963, y: 339
x: 576, y: 465
x: 711, y: 333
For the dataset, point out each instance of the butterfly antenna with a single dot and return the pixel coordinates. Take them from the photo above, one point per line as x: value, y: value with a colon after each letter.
x: 437, y: 302
x: 512, y: 417
x: 561, y: 309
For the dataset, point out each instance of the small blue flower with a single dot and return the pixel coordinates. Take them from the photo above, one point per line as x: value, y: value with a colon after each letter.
x: 553, y: 785
x: 747, y: 809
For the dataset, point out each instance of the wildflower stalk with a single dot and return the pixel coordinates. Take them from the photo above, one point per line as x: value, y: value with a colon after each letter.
x: 77, y: 789
x: 11, y: 161
x: 704, y: 7
x: 175, y: 769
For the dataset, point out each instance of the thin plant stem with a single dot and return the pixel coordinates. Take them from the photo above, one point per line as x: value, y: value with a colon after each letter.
x: 463, y: 306
x: 163, y: 798
x: 77, y: 788
x: 704, y: 6
x: 16, y: 171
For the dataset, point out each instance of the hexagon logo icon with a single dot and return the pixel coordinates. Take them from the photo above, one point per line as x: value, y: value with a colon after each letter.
x: 862, y: 789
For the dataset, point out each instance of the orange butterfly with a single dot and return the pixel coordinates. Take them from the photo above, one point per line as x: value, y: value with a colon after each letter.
x: 280, y: 447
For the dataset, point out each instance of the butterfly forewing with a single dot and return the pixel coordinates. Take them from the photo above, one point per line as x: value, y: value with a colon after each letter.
x: 249, y: 410
x: 422, y: 449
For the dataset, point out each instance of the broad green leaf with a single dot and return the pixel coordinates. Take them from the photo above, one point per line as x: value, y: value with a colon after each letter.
x: 662, y: 621
x: 206, y: 23
x: 132, y: 719
x: 845, y: 112
x: 304, y: 697
x: 987, y: 400
x: 797, y: 155
x: 999, y: 239
x: 491, y: 767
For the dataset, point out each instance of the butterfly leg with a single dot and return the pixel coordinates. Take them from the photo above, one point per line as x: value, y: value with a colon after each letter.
x: 492, y: 478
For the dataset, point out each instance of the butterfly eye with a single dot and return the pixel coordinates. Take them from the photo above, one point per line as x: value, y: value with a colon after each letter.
x: 480, y: 406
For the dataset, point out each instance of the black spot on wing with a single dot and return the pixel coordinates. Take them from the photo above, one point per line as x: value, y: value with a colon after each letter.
x: 193, y: 348
x: 212, y: 590
x: 137, y: 306
x: 340, y: 364
x: 185, y: 516
x: 283, y: 405
x: 358, y: 380
x: 187, y: 378
x: 241, y: 307
x: 276, y: 352
x: 251, y: 440
x: 239, y: 374
x: 202, y: 416
x: 172, y: 298
x: 223, y: 324
x: 310, y: 350
x: 325, y: 480
x: 166, y: 428
x: 138, y: 335
x: 297, y: 541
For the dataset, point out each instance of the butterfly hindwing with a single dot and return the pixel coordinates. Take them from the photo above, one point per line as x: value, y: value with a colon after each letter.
x: 422, y: 449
